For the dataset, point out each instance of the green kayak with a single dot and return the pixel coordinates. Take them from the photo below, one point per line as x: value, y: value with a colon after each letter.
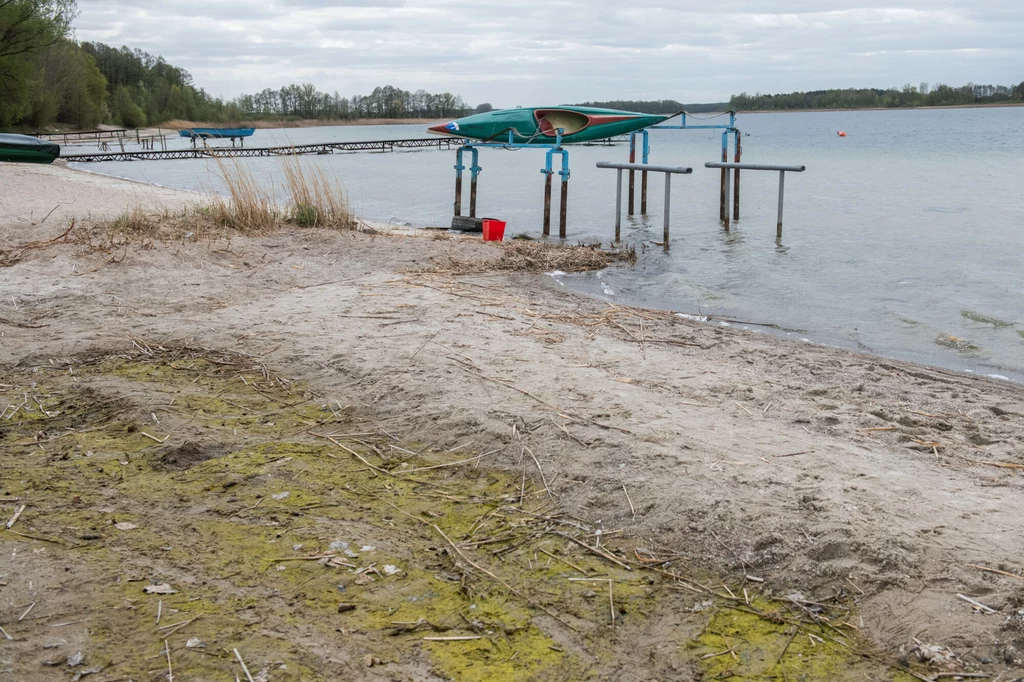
x: 539, y: 125
x: 25, y: 149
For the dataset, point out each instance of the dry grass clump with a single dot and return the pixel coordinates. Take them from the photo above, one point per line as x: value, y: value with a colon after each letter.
x: 530, y: 256
x: 314, y: 198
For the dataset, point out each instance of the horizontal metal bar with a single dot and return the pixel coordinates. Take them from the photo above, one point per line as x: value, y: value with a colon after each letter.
x: 645, y: 167
x: 755, y: 166
x: 690, y: 127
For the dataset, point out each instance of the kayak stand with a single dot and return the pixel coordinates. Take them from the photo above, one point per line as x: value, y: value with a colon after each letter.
x: 755, y: 166
x: 727, y: 130
x: 669, y: 171
x: 553, y: 148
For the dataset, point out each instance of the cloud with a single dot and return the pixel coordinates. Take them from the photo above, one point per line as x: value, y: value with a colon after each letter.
x: 554, y: 51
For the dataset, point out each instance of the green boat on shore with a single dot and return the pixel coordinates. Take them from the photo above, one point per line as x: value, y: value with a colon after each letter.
x: 539, y: 125
x: 25, y: 149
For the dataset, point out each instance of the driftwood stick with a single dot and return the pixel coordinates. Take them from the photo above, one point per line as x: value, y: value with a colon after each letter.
x: 239, y: 657
x: 542, y: 477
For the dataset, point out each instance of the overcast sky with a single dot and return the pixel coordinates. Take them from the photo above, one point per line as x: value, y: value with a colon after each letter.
x: 536, y: 52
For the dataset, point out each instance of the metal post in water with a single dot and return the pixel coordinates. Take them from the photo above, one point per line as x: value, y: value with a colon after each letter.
x: 632, y: 174
x: 458, y: 181
x: 782, y: 193
x: 736, y: 188
x: 475, y: 172
x: 643, y: 174
x: 547, y: 203
x: 668, y: 202
x: 564, y: 173
x: 618, y: 206
x: 725, y: 174
x: 725, y: 199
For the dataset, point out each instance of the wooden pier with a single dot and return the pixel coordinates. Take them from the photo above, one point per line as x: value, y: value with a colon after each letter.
x: 291, y: 150
x: 81, y: 136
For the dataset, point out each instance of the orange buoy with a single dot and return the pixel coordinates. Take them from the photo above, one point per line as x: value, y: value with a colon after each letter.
x: 840, y: 133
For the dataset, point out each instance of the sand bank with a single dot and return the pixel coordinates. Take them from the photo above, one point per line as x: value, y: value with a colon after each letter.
x: 727, y: 453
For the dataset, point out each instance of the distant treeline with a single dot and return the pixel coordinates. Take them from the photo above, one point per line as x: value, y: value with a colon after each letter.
x: 663, y: 106
x: 867, y: 98
x: 306, y: 102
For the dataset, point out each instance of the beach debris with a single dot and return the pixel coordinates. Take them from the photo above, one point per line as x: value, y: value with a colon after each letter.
x: 936, y: 655
x: 978, y: 606
x: 281, y: 496
x: 343, y: 608
x: 75, y: 659
x: 195, y: 643
x: 17, y: 514
x: 88, y: 671
x: 162, y: 588
x: 955, y: 342
x: 392, y: 570
x: 125, y: 525
x: 370, y: 660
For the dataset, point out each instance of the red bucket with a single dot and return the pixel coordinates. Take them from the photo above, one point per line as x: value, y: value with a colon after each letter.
x: 494, y: 230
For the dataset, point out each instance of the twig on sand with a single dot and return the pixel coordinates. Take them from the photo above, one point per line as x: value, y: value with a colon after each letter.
x: 349, y: 450
x: 17, y: 514
x: 542, y: 477
x: 976, y: 604
x: 596, y: 551
x: 564, y: 561
x: 450, y: 464
x: 247, y: 675
x: 631, y: 507
x: 997, y: 571
x: 170, y: 671
x: 1002, y: 465
x: 465, y: 638
x: 553, y: 407
x: 611, y: 601
x: 4, y: 633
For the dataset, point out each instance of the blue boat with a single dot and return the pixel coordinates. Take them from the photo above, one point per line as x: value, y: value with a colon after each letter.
x: 223, y: 133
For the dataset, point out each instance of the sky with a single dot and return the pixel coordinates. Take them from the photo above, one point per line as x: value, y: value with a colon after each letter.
x: 544, y: 52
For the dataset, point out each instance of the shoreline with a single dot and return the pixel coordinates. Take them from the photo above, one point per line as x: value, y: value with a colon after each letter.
x: 1001, y: 105
x: 818, y: 471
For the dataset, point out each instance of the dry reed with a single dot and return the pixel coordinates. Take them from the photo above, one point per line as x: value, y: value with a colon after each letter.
x: 531, y: 256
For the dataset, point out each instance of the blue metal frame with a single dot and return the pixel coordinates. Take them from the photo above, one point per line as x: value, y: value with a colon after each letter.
x: 646, y: 154
x: 552, y: 148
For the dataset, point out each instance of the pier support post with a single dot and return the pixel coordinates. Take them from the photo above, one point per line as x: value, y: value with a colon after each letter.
x: 782, y: 194
x: 668, y: 205
x: 736, y: 186
x: 632, y: 174
x: 458, y: 181
x: 726, y: 204
x: 645, y: 159
x: 547, y: 202
x: 618, y: 205
x: 725, y: 176
x: 474, y: 174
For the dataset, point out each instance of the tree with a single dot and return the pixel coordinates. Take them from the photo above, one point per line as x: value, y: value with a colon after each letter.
x: 26, y: 28
x: 483, y: 108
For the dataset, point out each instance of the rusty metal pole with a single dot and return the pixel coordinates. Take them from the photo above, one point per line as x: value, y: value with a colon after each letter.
x: 618, y: 206
x: 736, y: 186
x: 562, y: 208
x: 725, y: 195
x: 547, y: 204
x: 782, y: 193
x: 668, y: 204
x: 643, y: 175
x: 458, y: 179
x: 632, y: 174
x: 474, y: 174
x: 725, y: 175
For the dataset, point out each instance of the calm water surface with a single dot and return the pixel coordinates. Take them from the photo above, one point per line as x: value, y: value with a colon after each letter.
x: 909, y: 229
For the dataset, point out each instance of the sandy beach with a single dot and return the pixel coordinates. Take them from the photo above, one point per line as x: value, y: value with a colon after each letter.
x: 876, y: 501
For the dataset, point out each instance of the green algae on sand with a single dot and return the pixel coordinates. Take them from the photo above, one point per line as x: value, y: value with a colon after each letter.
x: 320, y: 547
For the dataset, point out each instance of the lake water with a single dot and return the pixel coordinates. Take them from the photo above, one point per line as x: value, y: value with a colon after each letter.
x: 906, y: 232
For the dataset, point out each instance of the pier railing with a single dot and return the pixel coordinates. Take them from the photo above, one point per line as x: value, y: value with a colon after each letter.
x: 759, y: 167
x: 669, y: 171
